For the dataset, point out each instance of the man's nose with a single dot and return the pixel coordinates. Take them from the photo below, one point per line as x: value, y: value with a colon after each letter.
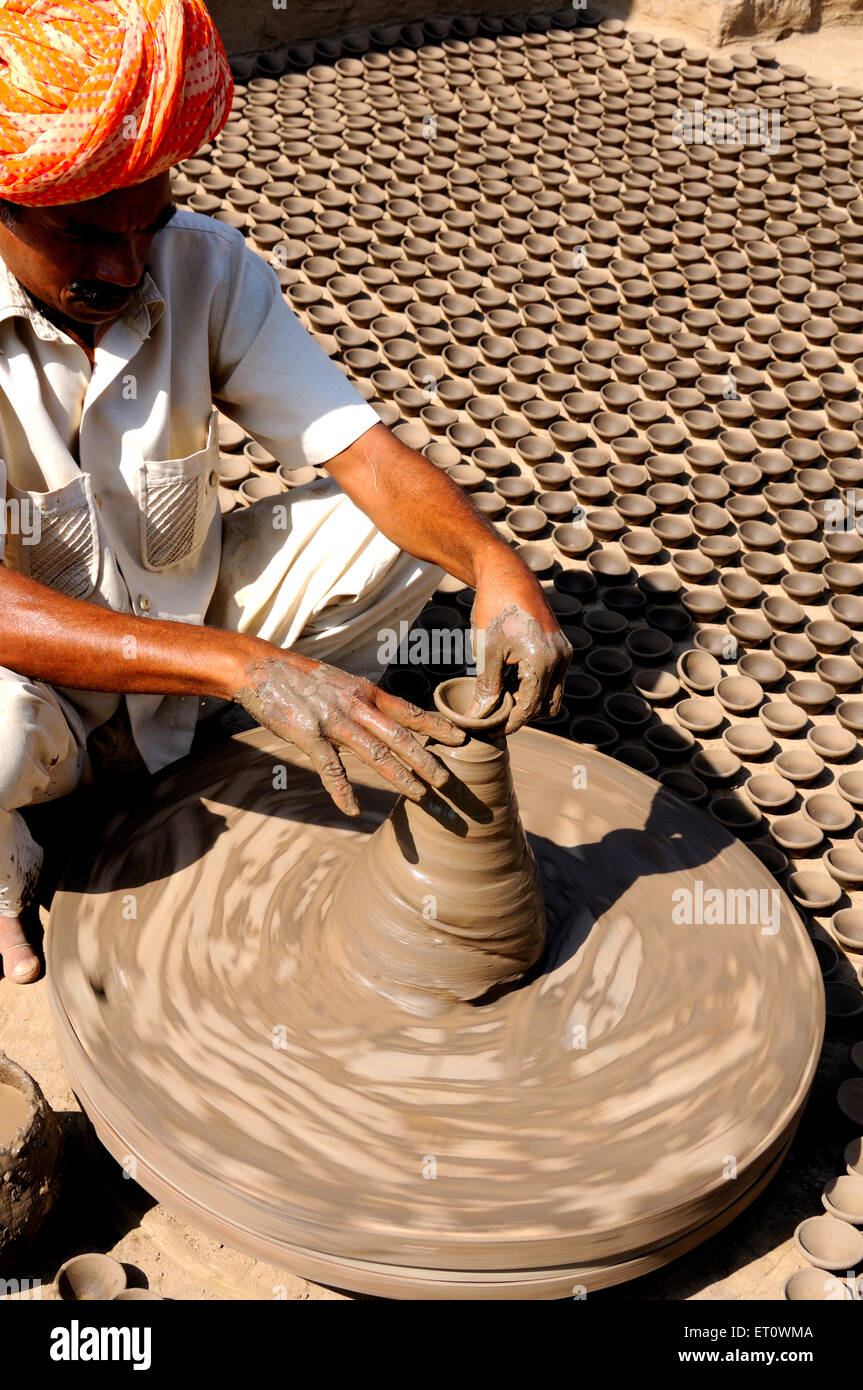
x: 121, y: 265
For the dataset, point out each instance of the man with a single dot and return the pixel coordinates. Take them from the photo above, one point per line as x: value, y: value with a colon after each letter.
x: 122, y: 602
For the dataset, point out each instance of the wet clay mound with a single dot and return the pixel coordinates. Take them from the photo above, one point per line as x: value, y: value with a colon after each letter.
x: 592, y: 1123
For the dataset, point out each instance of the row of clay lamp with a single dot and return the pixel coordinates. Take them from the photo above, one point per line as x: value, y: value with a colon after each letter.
x: 556, y: 367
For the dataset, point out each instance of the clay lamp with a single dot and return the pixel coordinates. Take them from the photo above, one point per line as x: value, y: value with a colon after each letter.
x: 806, y: 555
x: 514, y: 490
x: 827, y: 955
x: 527, y: 521
x: 700, y: 716
x: 850, y: 716
x: 691, y: 565
x: 765, y: 668
x: 91, y: 1277
x: 699, y: 671
x: 845, y: 865
x: 716, y: 764
x: 803, y: 588
x: 591, y: 491
x: 844, y: 578
x: 628, y: 477
x: 813, y: 891
x: 655, y: 685
x: 831, y: 743
x: 572, y: 541
x: 648, y: 646
x: 848, y: 609
x: 842, y: 1196
x: 638, y: 758
x: 796, y: 834
x: 783, y: 719
x: 538, y: 558
x: 738, y: 589
x: 672, y: 530
x: 634, y: 507
x: 707, y: 488
x: 669, y: 744
x: 843, y: 545
x: 732, y: 812
x: 811, y: 695
x: 591, y: 460
x: 849, y: 1098
x: 829, y: 1243
x: 630, y: 714
x: 850, y: 786
x: 793, y: 649
x: 848, y: 929
x: 489, y: 504
x: 782, y: 613
x: 748, y: 741
x: 769, y: 791
x: 827, y: 635
x: 739, y: 694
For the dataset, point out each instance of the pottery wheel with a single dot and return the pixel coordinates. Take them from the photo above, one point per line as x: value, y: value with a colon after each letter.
x: 634, y: 1093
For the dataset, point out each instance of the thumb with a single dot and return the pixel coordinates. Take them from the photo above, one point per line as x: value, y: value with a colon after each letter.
x: 489, y: 678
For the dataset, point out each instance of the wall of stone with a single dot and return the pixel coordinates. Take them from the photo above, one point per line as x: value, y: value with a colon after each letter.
x: 251, y: 25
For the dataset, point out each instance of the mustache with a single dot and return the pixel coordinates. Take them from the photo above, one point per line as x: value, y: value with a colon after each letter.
x: 98, y: 294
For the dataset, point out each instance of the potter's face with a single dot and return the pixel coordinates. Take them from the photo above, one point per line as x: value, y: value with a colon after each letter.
x: 85, y: 260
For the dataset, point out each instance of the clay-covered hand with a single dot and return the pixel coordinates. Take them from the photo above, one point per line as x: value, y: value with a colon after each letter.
x: 514, y: 626
x: 322, y: 709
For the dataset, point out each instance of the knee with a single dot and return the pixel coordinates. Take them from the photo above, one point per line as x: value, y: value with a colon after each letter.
x: 40, y: 758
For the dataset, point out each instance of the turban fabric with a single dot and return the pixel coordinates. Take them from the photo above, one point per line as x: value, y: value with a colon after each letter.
x: 97, y: 95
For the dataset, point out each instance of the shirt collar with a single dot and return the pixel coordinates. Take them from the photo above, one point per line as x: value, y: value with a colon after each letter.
x: 143, y: 312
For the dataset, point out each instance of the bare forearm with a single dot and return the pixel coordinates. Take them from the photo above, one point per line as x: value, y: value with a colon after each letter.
x: 417, y: 506
x: 69, y: 643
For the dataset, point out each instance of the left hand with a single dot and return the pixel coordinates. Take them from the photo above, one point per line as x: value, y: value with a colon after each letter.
x: 514, y: 626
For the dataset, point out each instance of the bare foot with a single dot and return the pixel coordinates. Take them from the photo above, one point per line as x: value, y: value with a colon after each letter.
x: 20, y: 962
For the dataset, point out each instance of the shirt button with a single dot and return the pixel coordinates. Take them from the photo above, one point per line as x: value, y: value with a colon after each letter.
x: 143, y: 603
x: 213, y: 478
x: 99, y: 500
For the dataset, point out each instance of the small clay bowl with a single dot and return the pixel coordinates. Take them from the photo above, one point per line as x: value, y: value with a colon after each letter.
x: 799, y: 765
x: 810, y: 695
x: 655, y: 685
x: 850, y: 785
x: 782, y: 613
x: 769, y: 791
x: 849, y: 1098
x: 853, y: 1154
x: 538, y: 558
x: 668, y: 743
x: 832, y: 744
x: 830, y: 813
x: 847, y: 927
x: 739, y: 589
x: 749, y: 629
x: 793, y: 649
x: 608, y: 567
x: 814, y: 1286
x: 802, y: 588
x: 699, y: 671
x: 739, y: 694
x: 827, y: 635
x: 816, y: 892
x: 90, y: 1278
x: 774, y: 861
x: 572, y: 541
x: 716, y: 764
x: 844, y: 863
x: 850, y: 715
x: 795, y: 833
x: 842, y: 1197
x: 844, y: 1003
x: 828, y: 1243
x: 732, y: 812
x: 763, y: 667
x: 748, y: 741
x: 782, y: 719
x: 593, y: 733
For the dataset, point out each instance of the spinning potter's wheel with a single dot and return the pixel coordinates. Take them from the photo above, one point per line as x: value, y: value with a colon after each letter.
x: 633, y: 1092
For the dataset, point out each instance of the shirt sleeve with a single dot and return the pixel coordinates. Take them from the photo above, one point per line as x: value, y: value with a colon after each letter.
x: 272, y: 378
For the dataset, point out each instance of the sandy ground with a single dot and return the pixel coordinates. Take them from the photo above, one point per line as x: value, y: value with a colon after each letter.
x: 103, y: 1210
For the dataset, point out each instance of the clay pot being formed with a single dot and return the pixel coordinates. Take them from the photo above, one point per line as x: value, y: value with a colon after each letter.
x: 30, y: 1144
x: 443, y: 903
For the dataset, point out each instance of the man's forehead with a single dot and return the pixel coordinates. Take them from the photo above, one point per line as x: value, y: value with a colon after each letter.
x: 118, y: 213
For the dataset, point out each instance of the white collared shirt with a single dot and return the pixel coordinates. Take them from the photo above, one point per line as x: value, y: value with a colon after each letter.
x: 120, y: 459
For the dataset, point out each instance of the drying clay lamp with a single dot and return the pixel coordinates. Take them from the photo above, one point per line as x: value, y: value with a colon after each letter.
x: 429, y: 1053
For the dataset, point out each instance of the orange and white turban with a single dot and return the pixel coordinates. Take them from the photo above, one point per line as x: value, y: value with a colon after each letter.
x: 97, y: 95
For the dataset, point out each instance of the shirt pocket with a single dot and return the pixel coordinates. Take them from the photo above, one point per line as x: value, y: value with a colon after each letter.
x: 178, y: 500
x: 53, y: 537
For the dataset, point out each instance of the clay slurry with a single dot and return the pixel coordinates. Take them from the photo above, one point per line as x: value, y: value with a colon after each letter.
x: 13, y: 1113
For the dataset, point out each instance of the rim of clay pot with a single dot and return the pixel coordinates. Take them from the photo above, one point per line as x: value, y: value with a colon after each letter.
x: 12, y: 1074
x: 454, y: 698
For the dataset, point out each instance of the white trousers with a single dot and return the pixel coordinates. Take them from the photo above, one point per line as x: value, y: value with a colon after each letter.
x: 324, y: 586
